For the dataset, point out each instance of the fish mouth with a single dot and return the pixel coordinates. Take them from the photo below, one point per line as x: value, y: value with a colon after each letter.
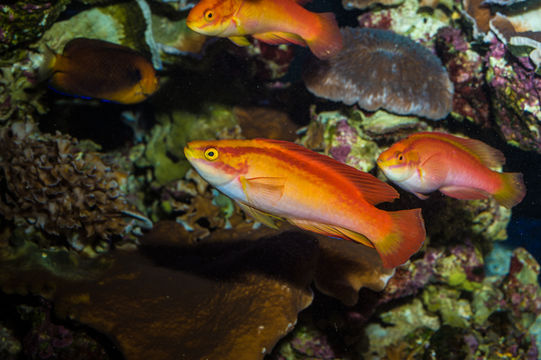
x: 188, y: 152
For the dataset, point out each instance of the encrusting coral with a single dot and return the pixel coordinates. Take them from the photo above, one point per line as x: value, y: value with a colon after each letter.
x: 380, y: 69
x: 52, y: 184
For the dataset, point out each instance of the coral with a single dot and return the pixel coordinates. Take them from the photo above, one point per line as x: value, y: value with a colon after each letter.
x: 379, y: 69
x: 343, y: 139
x: 407, y: 320
x: 466, y: 71
x: 10, y: 347
x: 19, y: 99
x: 365, y: 4
x: 516, y: 97
x: 24, y: 22
x: 51, y: 183
x: 121, y: 23
x: 164, y: 150
x: 270, y: 62
x: 409, y: 19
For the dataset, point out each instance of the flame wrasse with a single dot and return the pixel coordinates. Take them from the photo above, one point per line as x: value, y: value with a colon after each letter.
x: 458, y: 167
x: 102, y: 70
x: 271, y: 178
x: 270, y: 21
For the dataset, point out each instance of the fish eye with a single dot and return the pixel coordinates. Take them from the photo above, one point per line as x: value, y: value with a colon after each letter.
x: 400, y: 157
x: 209, y: 15
x: 211, y: 154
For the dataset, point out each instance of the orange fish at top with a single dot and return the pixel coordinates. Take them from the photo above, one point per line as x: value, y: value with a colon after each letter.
x: 456, y: 166
x: 102, y: 70
x: 270, y: 21
x: 272, y: 178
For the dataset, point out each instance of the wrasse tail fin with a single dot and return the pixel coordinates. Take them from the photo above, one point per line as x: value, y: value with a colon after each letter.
x: 330, y: 230
x: 405, y: 239
x: 512, y: 191
x: 328, y: 40
x: 464, y: 193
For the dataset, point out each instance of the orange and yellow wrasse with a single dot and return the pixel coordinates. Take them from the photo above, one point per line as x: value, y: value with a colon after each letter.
x: 458, y: 167
x: 102, y: 70
x: 270, y: 21
x: 272, y: 178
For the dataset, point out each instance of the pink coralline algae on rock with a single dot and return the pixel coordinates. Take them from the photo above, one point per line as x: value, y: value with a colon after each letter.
x: 379, y: 69
x: 465, y: 68
x: 516, y: 97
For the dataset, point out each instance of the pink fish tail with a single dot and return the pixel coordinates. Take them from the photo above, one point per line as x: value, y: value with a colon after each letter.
x: 512, y: 190
x: 327, y: 40
x: 404, y: 239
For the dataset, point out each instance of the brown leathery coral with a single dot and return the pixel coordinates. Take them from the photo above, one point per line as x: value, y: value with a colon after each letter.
x: 382, y: 69
x: 49, y: 182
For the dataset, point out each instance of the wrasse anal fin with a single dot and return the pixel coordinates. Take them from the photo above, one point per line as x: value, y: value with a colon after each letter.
x: 275, y: 38
x: 239, y: 40
x: 486, y: 154
x: 464, y: 193
x: 373, y: 190
x: 263, y: 189
x: 331, y: 230
x: 262, y: 217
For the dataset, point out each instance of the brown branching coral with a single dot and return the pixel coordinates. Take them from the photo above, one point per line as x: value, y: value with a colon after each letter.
x: 381, y: 69
x: 56, y: 187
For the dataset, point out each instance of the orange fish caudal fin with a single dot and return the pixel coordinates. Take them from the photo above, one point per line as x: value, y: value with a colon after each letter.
x: 512, y: 191
x: 327, y: 39
x: 405, y: 238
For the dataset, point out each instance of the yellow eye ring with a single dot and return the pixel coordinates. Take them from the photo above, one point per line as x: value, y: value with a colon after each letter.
x: 211, y: 154
x: 208, y: 15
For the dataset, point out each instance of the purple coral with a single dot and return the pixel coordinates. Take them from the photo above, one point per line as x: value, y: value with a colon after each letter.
x: 381, y: 69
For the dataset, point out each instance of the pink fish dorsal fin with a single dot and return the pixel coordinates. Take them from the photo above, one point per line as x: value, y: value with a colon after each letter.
x: 486, y: 154
x: 373, y: 190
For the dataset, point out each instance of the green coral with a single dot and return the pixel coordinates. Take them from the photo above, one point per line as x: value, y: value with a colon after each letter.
x: 446, y: 301
x: 165, y: 145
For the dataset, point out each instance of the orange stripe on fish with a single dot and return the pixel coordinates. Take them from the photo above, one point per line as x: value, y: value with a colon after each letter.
x: 456, y: 166
x: 276, y: 179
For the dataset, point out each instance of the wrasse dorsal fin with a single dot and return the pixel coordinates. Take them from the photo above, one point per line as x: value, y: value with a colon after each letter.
x: 373, y: 190
x: 486, y: 154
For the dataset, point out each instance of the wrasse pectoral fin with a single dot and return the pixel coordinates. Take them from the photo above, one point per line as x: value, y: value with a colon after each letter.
x: 266, y: 190
x: 275, y: 38
x: 403, y: 240
x: 464, y: 193
x: 239, y: 40
x: 331, y: 230
x: 260, y: 216
x: 512, y: 191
